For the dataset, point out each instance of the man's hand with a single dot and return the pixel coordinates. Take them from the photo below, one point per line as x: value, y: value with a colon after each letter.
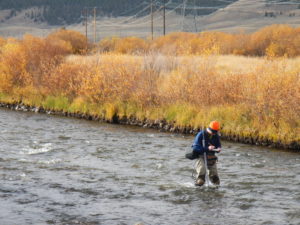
x: 211, y: 148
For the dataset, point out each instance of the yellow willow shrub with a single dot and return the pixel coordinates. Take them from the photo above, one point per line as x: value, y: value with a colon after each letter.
x: 107, y: 44
x: 274, y: 50
x: 173, y: 43
x: 113, y: 78
x: 202, y: 88
x: 57, y: 48
x: 39, y: 53
x: 34, y: 50
x: 278, y: 95
x: 209, y: 40
x: 2, y: 42
x: 66, y: 80
x: 127, y: 45
x: 272, y: 94
x: 145, y: 89
x: 239, y: 44
x: 278, y: 40
x: 197, y: 81
x: 13, y: 67
x: 75, y: 39
x: 23, y: 62
x: 131, y: 45
x: 281, y: 35
x: 186, y: 43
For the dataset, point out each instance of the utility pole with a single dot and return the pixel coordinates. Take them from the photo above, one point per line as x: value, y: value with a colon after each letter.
x: 95, y: 14
x: 86, y: 21
x: 86, y: 31
x: 152, y: 20
x: 164, y: 17
x: 183, y: 13
x: 195, y: 12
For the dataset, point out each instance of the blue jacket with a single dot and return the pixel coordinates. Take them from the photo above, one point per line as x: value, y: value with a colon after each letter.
x: 208, y: 140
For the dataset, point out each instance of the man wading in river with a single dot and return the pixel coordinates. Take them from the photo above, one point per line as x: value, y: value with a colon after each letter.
x: 207, y: 142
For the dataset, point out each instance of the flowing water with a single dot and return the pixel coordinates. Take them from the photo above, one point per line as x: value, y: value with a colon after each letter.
x: 57, y: 170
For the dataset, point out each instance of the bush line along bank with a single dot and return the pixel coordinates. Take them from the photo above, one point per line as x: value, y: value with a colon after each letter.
x: 161, y: 125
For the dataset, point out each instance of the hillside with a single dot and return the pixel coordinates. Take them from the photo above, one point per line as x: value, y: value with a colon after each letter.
x: 115, y: 19
x: 251, y: 15
x: 61, y: 12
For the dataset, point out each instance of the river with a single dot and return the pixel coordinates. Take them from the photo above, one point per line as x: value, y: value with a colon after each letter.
x: 57, y: 170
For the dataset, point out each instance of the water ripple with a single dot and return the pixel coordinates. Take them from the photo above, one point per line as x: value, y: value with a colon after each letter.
x: 69, y: 171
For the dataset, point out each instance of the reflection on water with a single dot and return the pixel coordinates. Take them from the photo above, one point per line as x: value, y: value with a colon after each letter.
x: 57, y: 170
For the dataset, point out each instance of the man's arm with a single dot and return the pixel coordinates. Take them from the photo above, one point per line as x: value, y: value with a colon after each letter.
x: 197, y: 145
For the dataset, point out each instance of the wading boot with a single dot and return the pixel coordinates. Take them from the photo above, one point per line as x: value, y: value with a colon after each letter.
x: 215, y: 180
x: 200, y: 180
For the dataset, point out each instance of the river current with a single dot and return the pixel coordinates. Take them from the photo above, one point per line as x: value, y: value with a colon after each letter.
x: 57, y: 170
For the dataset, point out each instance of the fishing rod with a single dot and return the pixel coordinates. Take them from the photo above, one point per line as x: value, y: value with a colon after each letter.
x: 2, y: 138
x: 205, y: 160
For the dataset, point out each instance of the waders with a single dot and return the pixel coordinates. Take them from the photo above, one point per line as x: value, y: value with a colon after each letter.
x: 206, y: 170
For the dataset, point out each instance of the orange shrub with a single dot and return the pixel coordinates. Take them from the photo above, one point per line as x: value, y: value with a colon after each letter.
x: 131, y: 45
x: 25, y: 62
x: 202, y: 87
x: 41, y: 53
x: 107, y: 44
x: 2, y: 42
x: 275, y: 41
x: 274, y: 94
x: 13, y: 66
x: 173, y: 43
x: 66, y: 79
x: 112, y: 78
x: 127, y: 45
x: 75, y: 39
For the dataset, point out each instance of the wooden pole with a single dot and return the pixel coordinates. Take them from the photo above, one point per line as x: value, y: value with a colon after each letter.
x: 152, y: 30
x: 86, y: 29
x: 95, y: 14
x: 164, y: 17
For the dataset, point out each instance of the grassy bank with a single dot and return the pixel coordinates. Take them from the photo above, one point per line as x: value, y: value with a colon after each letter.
x: 174, y: 118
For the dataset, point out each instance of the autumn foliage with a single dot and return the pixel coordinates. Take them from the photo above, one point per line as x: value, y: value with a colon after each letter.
x: 275, y: 40
x: 181, y: 77
x: 74, y: 39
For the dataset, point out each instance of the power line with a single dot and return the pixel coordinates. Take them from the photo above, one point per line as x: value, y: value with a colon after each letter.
x: 134, y: 23
x: 138, y: 13
x: 132, y: 9
x: 127, y: 20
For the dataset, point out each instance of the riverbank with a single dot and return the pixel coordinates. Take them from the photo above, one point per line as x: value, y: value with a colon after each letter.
x: 256, y: 99
x: 161, y: 125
